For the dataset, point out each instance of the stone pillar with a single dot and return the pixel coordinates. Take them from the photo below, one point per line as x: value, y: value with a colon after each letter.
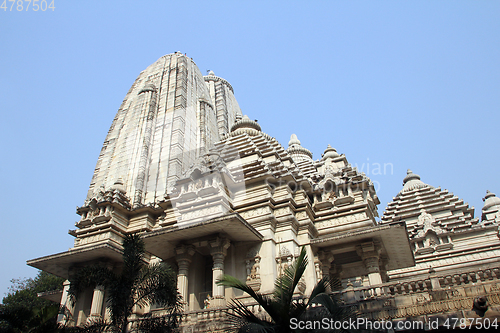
x: 68, y: 307
x: 97, y: 301
x: 350, y: 296
x: 435, y: 285
x: 218, y: 250
x: 383, y: 268
x: 325, y: 264
x: 183, y: 257
x: 370, y: 253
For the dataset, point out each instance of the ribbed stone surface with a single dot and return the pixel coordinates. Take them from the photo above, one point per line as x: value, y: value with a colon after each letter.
x: 168, y: 116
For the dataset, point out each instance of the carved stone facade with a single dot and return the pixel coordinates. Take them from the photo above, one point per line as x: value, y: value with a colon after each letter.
x: 213, y: 194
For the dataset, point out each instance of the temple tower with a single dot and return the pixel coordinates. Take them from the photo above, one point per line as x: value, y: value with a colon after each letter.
x: 170, y: 116
x: 445, y: 236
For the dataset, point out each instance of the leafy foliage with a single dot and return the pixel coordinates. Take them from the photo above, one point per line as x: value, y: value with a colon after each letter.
x: 23, y: 292
x: 137, y: 284
x: 23, y: 311
x: 281, y: 307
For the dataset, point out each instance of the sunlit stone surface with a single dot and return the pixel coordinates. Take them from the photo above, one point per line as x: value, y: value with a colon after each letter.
x: 213, y: 193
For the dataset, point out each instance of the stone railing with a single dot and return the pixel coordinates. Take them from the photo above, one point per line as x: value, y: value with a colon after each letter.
x: 470, y: 277
x: 421, y: 297
x: 355, y: 294
x: 212, y: 319
x: 432, y: 283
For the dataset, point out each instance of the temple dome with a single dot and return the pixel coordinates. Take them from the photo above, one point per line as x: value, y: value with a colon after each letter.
x: 296, y: 150
x: 246, y: 124
x: 294, y: 141
x: 412, y: 181
x: 330, y: 152
x: 490, y: 200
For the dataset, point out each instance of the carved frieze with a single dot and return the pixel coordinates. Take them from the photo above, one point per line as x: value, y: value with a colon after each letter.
x: 341, y: 220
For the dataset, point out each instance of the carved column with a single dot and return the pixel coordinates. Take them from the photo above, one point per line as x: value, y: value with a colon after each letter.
x: 97, y: 301
x: 67, y: 306
x: 218, y: 250
x: 370, y: 253
x: 184, y: 255
x: 325, y: 264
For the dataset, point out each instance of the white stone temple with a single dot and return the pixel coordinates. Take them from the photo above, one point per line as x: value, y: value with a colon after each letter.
x: 212, y: 194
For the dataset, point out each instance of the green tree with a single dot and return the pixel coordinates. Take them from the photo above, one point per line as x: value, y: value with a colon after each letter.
x: 281, y: 306
x: 137, y: 284
x: 23, y: 311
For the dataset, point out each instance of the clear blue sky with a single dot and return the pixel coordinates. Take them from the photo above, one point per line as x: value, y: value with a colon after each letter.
x: 413, y: 84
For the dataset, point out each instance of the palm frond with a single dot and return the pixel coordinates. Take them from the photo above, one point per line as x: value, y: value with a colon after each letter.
x: 268, y: 304
x: 285, y: 285
x: 329, y: 308
x: 242, y: 319
x: 299, y: 308
x: 157, y: 284
x: 133, y: 256
x: 138, y: 284
x: 89, y: 276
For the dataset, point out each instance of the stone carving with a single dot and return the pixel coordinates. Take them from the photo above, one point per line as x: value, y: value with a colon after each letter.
x: 421, y: 298
x: 96, y: 238
x: 341, y: 220
x: 253, y: 273
x: 284, y: 259
x: 255, y: 212
x: 426, y: 227
x: 425, y: 219
x: 284, y: 252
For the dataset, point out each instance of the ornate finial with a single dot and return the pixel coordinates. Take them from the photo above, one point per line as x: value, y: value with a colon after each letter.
x: 245, y: 122
x: 296, y: 150
x: 490, y: 200
x: 211, y: 73
x: 412, y: 181
x: 330, y: 152
x: 293, y: 140
x: 410, y: 176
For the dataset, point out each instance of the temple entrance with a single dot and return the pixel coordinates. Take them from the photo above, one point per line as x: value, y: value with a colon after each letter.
x: 206, y: 280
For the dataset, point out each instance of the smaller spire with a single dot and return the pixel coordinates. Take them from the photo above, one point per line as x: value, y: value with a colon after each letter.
x: 293, y: 141
x: 330, y: 152
x: 211, y: 73
x: 410, y: 176
x: 246, y: 123
x: 412, y: 181
x: 296, y: 150
x: 490, y: 200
